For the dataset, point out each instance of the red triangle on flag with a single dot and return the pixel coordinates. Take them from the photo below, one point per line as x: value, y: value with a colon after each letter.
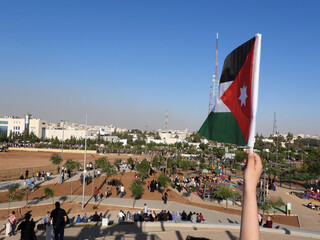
x: 238, y: 96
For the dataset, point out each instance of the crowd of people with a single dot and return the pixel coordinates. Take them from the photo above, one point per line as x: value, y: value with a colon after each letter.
x: 162, y: 216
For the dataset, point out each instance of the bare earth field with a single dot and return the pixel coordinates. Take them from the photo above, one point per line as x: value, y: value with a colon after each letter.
x: 27, y: 159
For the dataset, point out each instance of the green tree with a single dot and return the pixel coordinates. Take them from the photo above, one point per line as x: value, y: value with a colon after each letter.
x: 48, y: 192
x: 203, y: 163
x: 193, y: 164
x: 163, y: 180
x: 266, y: 206
x: 101, y: 162
x: 117, y: 162
x: 136, y: 188
x: 203, y: 146
x: 185, y: 165
x: 14, y: 193
x: 224, y: 192
x: 55, y: 159
x: 240, y: 155
x: 130, y: 161
x: 277, y: 204
x: 155, y: 161
x: 107, y: 168
x: 143, y: 168
x: 71, y: 164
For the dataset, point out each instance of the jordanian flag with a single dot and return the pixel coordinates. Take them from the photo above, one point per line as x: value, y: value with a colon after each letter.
x: 232, y: 119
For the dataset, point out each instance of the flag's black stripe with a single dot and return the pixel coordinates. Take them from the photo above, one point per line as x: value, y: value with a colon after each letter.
x: 235, y: 60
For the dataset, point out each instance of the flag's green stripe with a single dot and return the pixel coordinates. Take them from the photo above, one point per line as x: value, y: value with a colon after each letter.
x: 222, y: 127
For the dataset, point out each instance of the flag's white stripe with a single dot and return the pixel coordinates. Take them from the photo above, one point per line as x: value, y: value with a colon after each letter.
x: 254, y: 89
x: 219, y: 105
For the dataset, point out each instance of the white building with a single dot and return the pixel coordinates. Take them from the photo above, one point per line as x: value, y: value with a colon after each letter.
x: 173, y: 136
x: 65, y: 130
x: 16, y: 125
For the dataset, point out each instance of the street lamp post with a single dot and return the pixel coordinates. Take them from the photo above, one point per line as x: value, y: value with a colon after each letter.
x: 85, y: 163
x: 264, y: 185
x: 94, y: 170
x: 62, y: 150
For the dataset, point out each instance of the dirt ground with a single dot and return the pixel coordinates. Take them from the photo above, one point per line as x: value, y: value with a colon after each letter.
x: 125, y: 179
x: 25, y: 159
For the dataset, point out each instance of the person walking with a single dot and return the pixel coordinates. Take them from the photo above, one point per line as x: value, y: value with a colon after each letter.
x: 95, y: 194
x: 60, y: 218
x: 107, y: 192
x: 165, y: 198
x: 145, y: 208
x: 27, y: 228
x: 49, y: 228
x: 13, y: 222
x: 122, y: 192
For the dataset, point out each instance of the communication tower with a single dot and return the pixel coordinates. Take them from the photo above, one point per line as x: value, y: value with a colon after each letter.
x: 166, y: 120
x: 214, y: 90
x: 274, y: 125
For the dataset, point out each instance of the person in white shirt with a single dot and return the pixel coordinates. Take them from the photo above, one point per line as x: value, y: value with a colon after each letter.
x: 120, y: 216
x: 145, y: 208
x: 121, y: 191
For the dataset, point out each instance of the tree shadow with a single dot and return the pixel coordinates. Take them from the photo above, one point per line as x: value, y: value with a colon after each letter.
x: 88, y: 201
x: 231, y: 236
x: 63, y: 198
x: 287, y: 231
x: 230, y: 221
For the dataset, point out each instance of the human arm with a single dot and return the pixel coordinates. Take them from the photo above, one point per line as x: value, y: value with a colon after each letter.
x: 249, y: 220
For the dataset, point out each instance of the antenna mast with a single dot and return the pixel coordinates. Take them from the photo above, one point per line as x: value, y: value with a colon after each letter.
x: 216, y: 78
x: 166, y: 120
x: 275, y: 125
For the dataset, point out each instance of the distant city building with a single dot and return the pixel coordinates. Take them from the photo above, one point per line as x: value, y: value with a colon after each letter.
x: 15, y: 125
x: 173, y: 136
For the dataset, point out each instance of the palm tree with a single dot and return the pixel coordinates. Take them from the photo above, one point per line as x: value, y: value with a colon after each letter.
x: 55, y: 159
x: 48, y: 192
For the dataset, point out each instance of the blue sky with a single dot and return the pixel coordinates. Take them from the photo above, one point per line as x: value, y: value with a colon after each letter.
x: 125, y: 62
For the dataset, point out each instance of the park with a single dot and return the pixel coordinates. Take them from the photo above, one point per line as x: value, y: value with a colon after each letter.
x: 204, y: 184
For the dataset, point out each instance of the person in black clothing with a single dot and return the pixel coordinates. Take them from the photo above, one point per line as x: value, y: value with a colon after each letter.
x: 183, y: 216
x: 60, y: 219
x: 95, y: 217
x: 27, y: 173
x: 189, y: 216
x: 27, y: 228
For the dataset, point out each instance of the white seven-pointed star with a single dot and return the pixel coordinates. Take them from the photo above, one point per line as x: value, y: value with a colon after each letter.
x: 243, y: 95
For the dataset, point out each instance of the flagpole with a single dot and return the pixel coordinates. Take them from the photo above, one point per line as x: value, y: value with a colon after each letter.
x: 254, y: 89
x: 85, y: 163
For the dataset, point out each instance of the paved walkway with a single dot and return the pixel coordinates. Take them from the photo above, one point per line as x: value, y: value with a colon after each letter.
x: 53, y: 179
x: 309, y: 219
x: 165, y: 230
x: 210, y: 215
